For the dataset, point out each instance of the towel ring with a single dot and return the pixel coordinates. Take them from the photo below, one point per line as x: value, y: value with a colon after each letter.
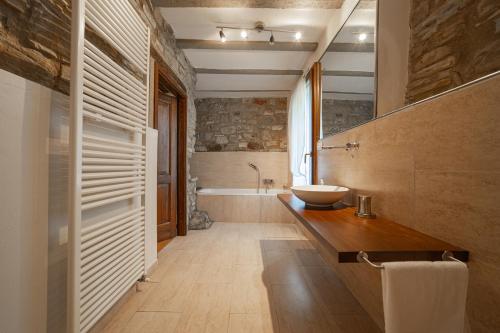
x: 363, y: 257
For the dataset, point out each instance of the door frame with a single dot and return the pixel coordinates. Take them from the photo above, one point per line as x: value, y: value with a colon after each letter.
x: 171, y: 81
x: 315, y: 75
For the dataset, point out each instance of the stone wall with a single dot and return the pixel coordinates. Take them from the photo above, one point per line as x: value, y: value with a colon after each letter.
x: 241, y: 124
x: 35, y: 38
x: 451, y: 42
x: 339, y: 115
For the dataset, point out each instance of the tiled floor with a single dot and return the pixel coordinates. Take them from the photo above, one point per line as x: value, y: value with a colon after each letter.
x: 242, y: 278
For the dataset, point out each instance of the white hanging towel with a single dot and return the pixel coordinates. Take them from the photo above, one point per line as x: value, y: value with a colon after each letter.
x: 424, y: 296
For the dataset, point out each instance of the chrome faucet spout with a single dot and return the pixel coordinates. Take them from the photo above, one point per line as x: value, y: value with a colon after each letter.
x: 256, y: 168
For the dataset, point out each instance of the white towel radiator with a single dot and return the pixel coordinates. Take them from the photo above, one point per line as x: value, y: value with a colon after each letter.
x: 107, y: 147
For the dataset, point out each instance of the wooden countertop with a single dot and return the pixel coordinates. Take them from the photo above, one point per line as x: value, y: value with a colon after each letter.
x: 346, y: 234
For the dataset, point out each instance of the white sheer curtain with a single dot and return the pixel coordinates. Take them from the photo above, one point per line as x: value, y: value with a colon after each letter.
x: 299, y: 132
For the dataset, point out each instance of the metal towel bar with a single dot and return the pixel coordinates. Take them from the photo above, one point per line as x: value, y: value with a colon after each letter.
x: 363, y: 257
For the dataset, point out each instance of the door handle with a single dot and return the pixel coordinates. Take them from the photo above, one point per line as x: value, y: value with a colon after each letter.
x: 305, y: 157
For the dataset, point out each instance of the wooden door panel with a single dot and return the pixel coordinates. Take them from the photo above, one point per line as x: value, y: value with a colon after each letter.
x: 163, y: 204
x: 163, y: 125
x: 166, y: 124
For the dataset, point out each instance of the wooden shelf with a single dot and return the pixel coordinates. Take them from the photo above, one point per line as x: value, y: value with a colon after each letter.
x: 345, y: 234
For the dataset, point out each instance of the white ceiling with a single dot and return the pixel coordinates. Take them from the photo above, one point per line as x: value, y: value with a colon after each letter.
x: 200, y: 24
x: 348, y: 84
x: 361, y: 21
x: 348, y: 61
x: 245, y: 82
x: 237, y: 59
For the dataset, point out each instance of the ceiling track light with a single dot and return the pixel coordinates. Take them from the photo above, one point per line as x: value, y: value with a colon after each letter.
x: 363, y: 36
x: 222, y: 35
x: 259, y: 27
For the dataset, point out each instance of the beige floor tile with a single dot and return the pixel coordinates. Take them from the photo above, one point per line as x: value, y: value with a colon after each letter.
x: 281, y: 267
x: 152, y: 322
x: 355, y: 324
x: 215, y: 273
x: 122, y: 315
x: 208, y: 309
x: 331, y: 294
x: 298, y: 311
x: 252, y: 323
x: 172, y: 293
x: 248, y: 252
x: 241, y: 277
x: 309, y: 257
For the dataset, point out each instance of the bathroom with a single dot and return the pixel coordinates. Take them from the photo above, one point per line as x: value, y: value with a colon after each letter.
x: 250, y: 166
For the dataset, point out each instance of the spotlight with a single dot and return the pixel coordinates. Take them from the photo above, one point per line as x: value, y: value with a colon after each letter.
x: 271, y: 40
x: 362, y: 37
x: 222, y: 36
x: 244, y: 34
x: 298, y: 35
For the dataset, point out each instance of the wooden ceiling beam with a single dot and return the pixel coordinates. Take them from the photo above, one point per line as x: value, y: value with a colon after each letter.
x: 278, y: 4
x: 245, y: 45
x: 351, y: 47
x: 249, y: 71
x: 348, y: 73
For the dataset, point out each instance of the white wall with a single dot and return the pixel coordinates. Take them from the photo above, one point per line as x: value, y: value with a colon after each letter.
x: 150, y: 231
x: 24, y: 128
x: 333, y: 27
x: 34, y: 162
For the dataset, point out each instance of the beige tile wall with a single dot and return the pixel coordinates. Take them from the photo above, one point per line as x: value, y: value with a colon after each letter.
x: 435, y: 167
x: 231, y: 170
x: 245, y: 208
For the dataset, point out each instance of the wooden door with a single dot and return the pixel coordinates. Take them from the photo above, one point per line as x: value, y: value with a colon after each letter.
x: 165, y: 121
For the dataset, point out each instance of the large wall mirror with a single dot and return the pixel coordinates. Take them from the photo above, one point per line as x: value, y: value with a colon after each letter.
x: 348, y: 73
x: 393, y: 53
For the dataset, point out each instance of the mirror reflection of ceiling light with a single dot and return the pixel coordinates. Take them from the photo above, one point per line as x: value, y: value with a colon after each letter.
x: 298, y: 35
x: 222, y: 36
x: 362, y: 37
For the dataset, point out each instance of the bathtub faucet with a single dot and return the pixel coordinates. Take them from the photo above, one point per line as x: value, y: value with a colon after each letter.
x: 268, y: 183
x: 256, y: 168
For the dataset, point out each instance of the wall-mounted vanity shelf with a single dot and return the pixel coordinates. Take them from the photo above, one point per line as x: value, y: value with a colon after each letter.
x: 345, y: 235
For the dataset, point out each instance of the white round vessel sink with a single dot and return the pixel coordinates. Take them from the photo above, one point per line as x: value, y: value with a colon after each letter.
x: 320, y: 195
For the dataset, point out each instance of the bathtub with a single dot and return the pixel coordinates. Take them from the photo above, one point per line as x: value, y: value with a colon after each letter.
x: 243, y: 205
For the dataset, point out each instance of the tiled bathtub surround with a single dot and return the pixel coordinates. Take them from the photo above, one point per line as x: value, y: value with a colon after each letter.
x: 434, y: 167
x: 243, y: 206
x: 231, y: 170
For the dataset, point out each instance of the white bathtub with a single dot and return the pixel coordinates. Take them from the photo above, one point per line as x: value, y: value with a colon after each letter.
x: 243, y: 205
x: 238, y: 191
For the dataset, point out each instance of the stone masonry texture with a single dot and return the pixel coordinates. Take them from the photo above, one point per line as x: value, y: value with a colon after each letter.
x: 452, y: 42
x: 35, y: 39
x: 241, y: 124
x: 340, y: 115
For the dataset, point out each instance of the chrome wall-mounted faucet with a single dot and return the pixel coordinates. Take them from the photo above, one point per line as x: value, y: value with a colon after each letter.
x: 256, y: 168
x: 348, y: 146
x: 268, y: 183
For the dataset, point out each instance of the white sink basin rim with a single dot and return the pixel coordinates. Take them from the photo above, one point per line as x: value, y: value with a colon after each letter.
x: 320, y: 195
